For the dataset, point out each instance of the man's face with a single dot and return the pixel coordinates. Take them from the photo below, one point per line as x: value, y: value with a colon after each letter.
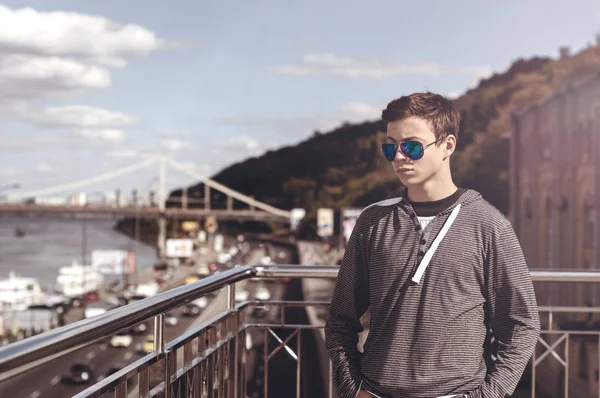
x: 416, y: 172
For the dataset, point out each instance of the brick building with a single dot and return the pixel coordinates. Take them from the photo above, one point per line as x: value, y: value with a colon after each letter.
x: 555, y: 187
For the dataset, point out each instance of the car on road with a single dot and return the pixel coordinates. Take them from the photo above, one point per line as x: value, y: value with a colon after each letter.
x: 241, y: 294
x: 171, y: 319
x: 121, y: 339
x: 194, y: 278
x: 201, y: 302
x: 139, y: 328
x: 194, y: 308
x: 262, y: 293
x: 190, y: 310
x: 80, y: 373
x: 146, y: 346
x: 148, y: 343
x: 95, y: 309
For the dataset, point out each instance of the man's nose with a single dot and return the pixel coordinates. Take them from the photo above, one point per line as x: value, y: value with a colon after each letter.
x: 400, y: 156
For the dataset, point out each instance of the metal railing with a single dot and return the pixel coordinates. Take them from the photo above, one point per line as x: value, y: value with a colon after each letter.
x: 210, y: 359
x: 213, y: 345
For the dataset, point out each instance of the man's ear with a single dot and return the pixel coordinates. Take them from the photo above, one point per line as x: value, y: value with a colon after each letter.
x: 449, y: 146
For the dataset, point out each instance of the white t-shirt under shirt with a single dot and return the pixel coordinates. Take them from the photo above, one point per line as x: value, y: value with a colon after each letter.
x: 425, y: 220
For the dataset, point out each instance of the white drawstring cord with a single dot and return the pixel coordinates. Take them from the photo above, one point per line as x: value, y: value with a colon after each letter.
x: 427, y: 258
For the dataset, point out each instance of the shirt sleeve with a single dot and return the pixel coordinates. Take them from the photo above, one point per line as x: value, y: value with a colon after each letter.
x: 513, y: 314
x: 349, y: 302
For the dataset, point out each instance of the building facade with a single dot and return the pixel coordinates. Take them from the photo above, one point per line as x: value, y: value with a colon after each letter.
x: 555, y: 187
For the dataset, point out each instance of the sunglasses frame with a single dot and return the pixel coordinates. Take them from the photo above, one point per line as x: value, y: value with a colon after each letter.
x: 405, y: 152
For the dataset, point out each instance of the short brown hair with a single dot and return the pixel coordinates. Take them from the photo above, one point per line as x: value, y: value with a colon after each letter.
x: 443, y: 115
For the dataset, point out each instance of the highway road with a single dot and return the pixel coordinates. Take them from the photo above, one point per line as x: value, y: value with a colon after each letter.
x: 45, y: 381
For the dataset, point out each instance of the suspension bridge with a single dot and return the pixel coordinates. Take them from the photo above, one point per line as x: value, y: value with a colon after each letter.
x: 32, y: 203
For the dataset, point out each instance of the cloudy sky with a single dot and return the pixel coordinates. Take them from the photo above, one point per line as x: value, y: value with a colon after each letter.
x: 88, y: 87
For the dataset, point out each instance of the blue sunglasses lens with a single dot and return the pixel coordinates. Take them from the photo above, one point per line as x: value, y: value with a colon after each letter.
x: 389, y: 151
x: 412, y: 149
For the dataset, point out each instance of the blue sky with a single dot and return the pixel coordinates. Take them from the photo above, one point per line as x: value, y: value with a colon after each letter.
x: 104, y: 84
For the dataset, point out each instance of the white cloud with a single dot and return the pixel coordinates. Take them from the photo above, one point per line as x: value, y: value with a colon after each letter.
x: 122, y: 153
x: 31, y: 78
x: 110, y: 135
x: 174, y: 144
x: 73, y: 35
x: 53, y: 54
x: 242, y: 144
x: 83, y: 116
x: 453, y: 94
x: 91, y: 123
x: 45, y: 168
x: 372, y: 69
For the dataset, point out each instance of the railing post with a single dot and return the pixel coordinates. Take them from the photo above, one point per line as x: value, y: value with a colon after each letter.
x: 159, y: 348
x: 159, y: 334
x: 236, y: 356
x: 567, y: 341
x: 299, y: 363
x: 231, y: 297
x: 231, y: 308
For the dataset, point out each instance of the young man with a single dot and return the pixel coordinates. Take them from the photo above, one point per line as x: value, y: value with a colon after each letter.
x: 442, y: 272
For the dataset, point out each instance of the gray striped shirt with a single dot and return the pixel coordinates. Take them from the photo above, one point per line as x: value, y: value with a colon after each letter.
x: 432, y: 338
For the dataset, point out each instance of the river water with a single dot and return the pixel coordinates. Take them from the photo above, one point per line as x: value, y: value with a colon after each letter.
x: 50, y: 243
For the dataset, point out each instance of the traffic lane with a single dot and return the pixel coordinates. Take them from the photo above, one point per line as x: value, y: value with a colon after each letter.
x: 73, y: 314
x: 257, y: 335
x: 107, y: 356
x: 48, y: 377
x: 218, y: 305
x: 40, y: 380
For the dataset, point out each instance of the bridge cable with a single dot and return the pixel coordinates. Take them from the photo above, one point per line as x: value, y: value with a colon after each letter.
x: 82, y: 183
x: 228, y: 191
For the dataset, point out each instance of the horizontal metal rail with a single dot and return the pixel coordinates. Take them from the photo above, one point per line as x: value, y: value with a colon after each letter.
x: 26, y: 354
